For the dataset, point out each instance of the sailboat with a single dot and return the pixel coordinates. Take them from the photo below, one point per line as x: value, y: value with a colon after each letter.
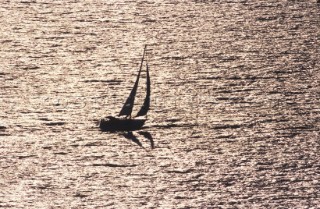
x: 125, y: 121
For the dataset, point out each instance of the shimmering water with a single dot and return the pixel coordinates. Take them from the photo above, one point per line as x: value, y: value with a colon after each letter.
x: 235, y: 112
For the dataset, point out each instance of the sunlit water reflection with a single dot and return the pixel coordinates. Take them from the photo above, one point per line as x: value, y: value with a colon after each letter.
x: 235, y: 104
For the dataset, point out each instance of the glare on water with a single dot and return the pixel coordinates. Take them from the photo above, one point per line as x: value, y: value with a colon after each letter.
x: 234, y: 119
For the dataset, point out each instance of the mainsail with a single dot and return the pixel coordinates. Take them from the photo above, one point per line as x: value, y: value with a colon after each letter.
x: 146, y: 104
x: 128, y: 105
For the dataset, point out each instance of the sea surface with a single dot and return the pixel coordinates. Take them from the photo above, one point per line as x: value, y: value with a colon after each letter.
x: 235, y: 107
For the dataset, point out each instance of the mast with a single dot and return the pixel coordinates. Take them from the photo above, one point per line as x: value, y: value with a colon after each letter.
x: 128, y: 105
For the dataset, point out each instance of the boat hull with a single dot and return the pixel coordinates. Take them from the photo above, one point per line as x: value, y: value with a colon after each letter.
x: 117, y: 124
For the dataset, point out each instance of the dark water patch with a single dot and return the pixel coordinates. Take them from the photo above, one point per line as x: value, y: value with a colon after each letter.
x: 149, y: 20
x: 299, y: 128
x: 58, y: 123
x: 229, y: 91
x: 44, y: 119
x: 111, y: 81
x: 266, y: 19
x: 181, y: 171
x: 228, y: 58
x: 29, y: 67
x: 6, y: 41
x: 26, y: 156
x: 31, y: 112
x: 60, y: 153
x: 53, y: 38
x: 81, y: 195
x: 113, y: 165
x: 6, y: 205
x: 210, y: 77
x: 224, y: 98
x: 173, y: 120
x: 47, y: 147
x: 42, y: 186
x: 226, y: 137
x: 235, y: 126
x: 175, y: 58
x: 92, y: 144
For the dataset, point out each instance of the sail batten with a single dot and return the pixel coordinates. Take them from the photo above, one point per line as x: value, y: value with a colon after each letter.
x: 146, y: 104
x: 126, y: 109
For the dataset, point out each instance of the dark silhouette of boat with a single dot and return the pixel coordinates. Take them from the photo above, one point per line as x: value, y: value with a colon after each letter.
x: 124, y: 121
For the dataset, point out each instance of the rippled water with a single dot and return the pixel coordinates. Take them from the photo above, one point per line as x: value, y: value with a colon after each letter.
x: 235, y: 104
